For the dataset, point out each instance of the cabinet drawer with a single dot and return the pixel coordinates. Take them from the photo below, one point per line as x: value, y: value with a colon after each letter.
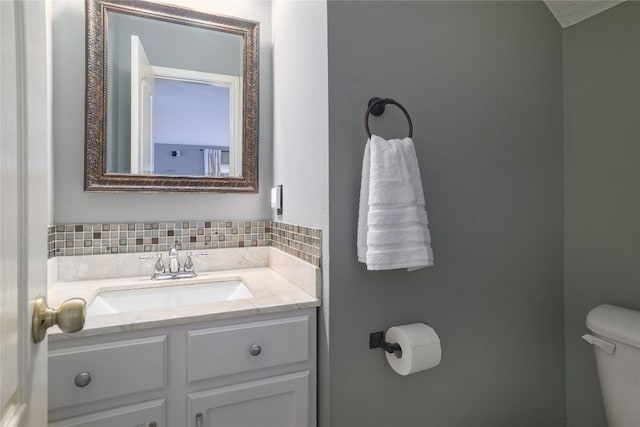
x: 239, y: 348
x: 107, y: 370
x: 147, y: 414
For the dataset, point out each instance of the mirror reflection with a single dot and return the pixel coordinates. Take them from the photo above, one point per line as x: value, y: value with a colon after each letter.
x: 171, y: 99
x: 170, y: 111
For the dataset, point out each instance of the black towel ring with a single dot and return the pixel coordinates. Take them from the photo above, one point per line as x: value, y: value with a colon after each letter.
x: 377, y: 106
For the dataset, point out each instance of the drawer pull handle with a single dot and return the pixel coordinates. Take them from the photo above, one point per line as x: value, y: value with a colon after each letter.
x: 82, y: 379
x: 255, y: 349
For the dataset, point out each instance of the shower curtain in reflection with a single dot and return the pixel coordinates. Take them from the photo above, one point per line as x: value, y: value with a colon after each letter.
x: 212, y: 165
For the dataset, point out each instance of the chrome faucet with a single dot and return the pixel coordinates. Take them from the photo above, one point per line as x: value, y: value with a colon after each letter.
x: 174, y: 264
x: 174, y: 272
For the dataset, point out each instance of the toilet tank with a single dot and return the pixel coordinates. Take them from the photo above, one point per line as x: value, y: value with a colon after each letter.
x: 618, y: 365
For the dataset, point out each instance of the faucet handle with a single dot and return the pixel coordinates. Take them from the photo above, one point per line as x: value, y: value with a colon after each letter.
x: 173, y: 251
x: 159, y: 267
x: 188, y: 263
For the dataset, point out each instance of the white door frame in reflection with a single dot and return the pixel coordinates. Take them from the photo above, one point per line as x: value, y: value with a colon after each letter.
x: 234, y: 86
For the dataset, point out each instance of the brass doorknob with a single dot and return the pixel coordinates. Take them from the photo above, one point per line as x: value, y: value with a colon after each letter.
x: 69, y: 317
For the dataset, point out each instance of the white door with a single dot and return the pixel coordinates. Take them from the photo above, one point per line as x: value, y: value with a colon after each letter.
x: 24, y: 208
x: 142, y: 80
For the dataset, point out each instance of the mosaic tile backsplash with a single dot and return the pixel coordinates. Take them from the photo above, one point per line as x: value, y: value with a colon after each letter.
x: 95, y: 239
x: 302, y: 242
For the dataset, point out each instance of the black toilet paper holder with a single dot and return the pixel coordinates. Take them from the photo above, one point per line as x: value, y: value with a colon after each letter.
x: 376, y: 340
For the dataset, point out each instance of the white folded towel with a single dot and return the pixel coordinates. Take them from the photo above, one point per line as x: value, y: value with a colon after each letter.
x: 393, y: 227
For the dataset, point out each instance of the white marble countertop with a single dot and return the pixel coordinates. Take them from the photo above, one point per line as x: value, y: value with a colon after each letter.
x: 273, y: 293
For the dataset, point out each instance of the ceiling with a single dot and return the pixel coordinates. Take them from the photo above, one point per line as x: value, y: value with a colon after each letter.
x: 569, y: 12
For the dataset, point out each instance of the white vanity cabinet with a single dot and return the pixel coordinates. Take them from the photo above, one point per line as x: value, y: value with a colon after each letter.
x: 252, y: 371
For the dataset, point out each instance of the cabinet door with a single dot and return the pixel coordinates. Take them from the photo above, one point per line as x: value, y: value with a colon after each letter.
x: 147, y: 414
x: 281, y: 401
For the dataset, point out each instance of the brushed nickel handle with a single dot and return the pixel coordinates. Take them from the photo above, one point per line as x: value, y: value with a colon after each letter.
x: 69, y: 317
x: 82, y: 379
x: 255, y: 349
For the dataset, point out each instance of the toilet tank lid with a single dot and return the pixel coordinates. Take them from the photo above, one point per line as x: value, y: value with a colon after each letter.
x: 617, y: 323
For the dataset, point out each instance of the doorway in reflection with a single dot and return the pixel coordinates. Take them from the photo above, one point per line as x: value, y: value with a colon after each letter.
x: 190, y: 128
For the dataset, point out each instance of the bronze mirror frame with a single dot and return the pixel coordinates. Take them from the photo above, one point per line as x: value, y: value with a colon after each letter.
x: 96, y: 176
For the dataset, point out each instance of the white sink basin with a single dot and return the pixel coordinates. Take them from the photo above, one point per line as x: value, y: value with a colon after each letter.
x: 170, y: 296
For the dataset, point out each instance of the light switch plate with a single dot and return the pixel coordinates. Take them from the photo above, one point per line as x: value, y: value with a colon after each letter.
x: 276, y: 198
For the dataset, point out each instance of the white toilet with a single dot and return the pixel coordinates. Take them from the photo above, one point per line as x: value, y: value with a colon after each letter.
x: 616, y: 341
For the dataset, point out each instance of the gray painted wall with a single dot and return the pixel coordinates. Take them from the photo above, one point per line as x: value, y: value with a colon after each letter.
x: 602, y: 207
x: 483, y: 83
x: 72, y: 204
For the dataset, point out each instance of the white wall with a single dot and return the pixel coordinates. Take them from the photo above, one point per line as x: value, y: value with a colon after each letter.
x: 71, y: 203
x: 301, y: 136
x: 300, y: 119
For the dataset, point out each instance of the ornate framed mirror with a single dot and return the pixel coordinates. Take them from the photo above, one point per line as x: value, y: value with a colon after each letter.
x: 171, y: 99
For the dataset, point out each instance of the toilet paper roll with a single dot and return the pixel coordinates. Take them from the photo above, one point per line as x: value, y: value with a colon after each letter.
x: 420, y: 348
